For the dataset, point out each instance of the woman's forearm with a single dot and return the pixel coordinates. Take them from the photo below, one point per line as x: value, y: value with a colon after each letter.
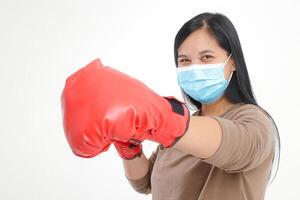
x: 136, y: 168
x: 202, y: 138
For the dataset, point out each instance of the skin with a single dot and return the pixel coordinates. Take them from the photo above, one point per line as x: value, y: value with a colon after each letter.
x: 204, y: 134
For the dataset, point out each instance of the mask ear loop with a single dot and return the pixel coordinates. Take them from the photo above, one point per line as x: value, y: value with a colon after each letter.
x: 231, y: 71
x: 227, y: 59
x: 186, y: 99
x: 188, y: 102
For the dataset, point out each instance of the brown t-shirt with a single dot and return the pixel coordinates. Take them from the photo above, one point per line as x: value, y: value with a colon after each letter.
x: 238, y: 170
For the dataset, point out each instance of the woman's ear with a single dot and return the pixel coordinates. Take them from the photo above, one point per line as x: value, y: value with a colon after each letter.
x: 232, y: 65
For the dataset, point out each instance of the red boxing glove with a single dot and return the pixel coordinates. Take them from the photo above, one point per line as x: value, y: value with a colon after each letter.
x: 128, y: 150
x: 102, y: 105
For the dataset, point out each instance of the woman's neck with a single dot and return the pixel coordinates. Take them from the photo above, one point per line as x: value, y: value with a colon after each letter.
x: 216, y: 108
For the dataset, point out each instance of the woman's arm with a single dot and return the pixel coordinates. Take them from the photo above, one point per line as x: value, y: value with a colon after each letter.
x: 202, y: 138
x: 136, y: 168
x: 138, y: 172
x: 235, y: 145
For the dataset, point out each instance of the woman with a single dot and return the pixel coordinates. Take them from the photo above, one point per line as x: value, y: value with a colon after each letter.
x: 225, y: 150
x: 231, y: 144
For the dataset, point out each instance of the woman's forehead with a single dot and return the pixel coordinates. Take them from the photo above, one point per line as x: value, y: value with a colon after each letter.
x: 199, y: 41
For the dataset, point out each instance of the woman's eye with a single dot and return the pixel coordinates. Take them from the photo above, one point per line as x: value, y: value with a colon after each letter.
x: 206, y: 57
x: 183, y: 60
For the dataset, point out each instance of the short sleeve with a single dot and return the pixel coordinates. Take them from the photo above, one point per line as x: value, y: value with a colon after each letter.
x: 247, y: 140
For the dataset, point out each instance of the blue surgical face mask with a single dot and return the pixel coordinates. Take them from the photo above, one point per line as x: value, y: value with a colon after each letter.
x: 203, y: 82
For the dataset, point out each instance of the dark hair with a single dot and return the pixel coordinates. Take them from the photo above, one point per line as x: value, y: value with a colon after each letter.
x: 221, y: 28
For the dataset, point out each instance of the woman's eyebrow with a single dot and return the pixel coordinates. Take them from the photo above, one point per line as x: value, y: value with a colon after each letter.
x: 206, y: 51
x: 182, y: 56
x: 200, y: 52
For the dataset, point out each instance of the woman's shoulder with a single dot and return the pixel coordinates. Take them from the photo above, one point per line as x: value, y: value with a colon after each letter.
x: 248, y: 108
x: 248, y: 112
x: 242, y: 110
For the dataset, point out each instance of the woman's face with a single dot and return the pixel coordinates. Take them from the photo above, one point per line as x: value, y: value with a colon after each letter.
x: 201, y: 48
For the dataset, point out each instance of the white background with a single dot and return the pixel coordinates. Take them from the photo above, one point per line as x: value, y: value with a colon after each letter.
x: 43, y: 42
